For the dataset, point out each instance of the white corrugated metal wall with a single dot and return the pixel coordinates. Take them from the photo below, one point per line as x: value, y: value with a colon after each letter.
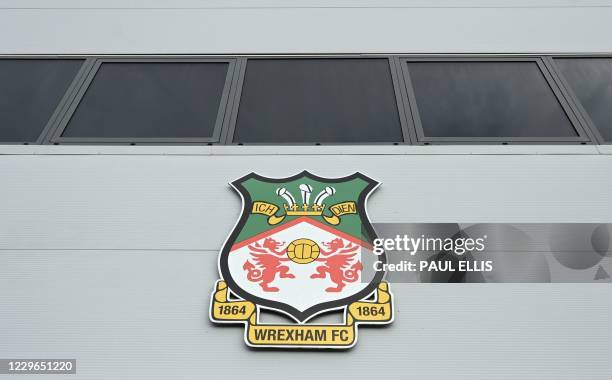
x: 108, y: 254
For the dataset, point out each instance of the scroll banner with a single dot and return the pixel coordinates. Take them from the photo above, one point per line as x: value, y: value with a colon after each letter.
x: 379, y: 311
x: 337, y: 210
x: 268, y: 209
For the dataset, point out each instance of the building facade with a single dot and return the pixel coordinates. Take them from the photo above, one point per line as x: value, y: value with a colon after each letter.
x: 113, y: 208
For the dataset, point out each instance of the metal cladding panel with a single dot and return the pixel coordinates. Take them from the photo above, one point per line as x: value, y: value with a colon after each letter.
x: 143, y: 315
x: 112, y: 258
x: 185, y: 202
x: 272, y: 26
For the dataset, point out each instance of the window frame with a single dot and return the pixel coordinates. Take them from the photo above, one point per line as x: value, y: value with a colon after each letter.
x: 78, y: 94
x: 225, y: 124
x: 59, y: 108
x: 421, y: 139
x: 405, y: 125
x: 574, y: 100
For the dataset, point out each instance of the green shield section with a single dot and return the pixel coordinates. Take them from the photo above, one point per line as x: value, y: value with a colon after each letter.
x: 346, y: 191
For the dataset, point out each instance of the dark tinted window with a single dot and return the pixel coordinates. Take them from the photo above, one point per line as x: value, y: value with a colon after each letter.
x: 157, y: 100
x: 487, y: 99
x: 591, y: 80
x: 318, y: 100
x: 30, y: 90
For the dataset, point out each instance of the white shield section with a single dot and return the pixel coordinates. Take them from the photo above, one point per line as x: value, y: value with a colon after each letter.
x: 302, y: 291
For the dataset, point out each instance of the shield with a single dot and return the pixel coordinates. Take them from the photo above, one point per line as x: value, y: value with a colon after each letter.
x: 301, y: 244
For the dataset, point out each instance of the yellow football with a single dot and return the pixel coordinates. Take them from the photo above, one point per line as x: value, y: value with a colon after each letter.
x: 303, y: 251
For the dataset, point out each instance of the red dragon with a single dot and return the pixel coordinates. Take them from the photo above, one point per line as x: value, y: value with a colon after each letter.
x: 268, y: 257
x: 268, y: 260
x: 337, y: 263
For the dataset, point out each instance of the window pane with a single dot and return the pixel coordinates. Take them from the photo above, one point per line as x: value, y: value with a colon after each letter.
x: 591, y: 80
x: 30, y: 90
x: 140, y: 100
x: 318, y: 100
x: 487, y: 99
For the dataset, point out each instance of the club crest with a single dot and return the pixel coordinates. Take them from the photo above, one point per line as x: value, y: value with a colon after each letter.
x: 302, y: 247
